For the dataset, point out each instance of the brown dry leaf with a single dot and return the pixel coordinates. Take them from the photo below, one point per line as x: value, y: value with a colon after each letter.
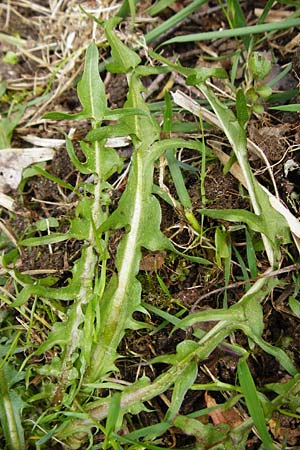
x: 153, y: 261
x: 217, y: 416
x: 274, y: 425
x: 274, y: 15
x: 230, y: 416
x: 282, y: 430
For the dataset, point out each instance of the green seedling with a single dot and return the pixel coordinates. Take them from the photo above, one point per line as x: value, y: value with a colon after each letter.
x: 256, y: 91
x: 10, y: 58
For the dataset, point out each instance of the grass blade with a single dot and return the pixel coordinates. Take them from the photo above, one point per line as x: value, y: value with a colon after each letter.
x: 159, y: 6
x: 173, y: 20
x: 253, y: 403
x: 236, y: 32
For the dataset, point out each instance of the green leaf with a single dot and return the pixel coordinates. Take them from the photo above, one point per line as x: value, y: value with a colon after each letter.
x: 10, y: 58
x: 222, y: 251
x: 98, y: 134
x: 56, y: 115
x: 264, y: 91
x: 294, y: 304
x: 238, y: 19
x: 207, y: 436
x: 37, y: 169
x: 235, y: 32
x: 241, y: 108
x: 45, y: 224
x: 253, y: 403
x: 278, y: 353
x: 181, y: 386
x: 125, y: 9
x: 237, y: 215
x: 117, y: 114
x: 145, y: 128
x: 63, y: 293
x: 202, y: 74
x: 183, y: 350
x: 211, y: 316
x: 62, y: 332
x: 122, y: 296
x: 146, y: 71
x: 173, y: 20
x: 11, y: 406
x: 159, y: 6
x: 123, y: 59
x: 82, y: 167
x: 113, y: 417
x: 52, y: 238
x: 291, y: 108
x: 91, y: 91
x: 7, y: 126
x: 259, y: 66
x: 3, y: 87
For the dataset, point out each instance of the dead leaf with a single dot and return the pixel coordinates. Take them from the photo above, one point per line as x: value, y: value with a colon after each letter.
x: 216, y: 415
x: 7, y: 202
x: 14, y: 160
x: 153, y: 261
x: 230, y: 416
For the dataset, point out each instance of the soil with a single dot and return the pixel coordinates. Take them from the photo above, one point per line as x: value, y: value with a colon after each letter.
x: 187, y: 282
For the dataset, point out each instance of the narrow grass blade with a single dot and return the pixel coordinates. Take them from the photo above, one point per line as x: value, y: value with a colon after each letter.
x: 251, y: 255
x: 173, y: 20
x: 290, y: 108
x: 125, y: 8
x: 159, y: 6
x: 53, y: 178
x: 236, y: 32
x: 178, y: 180
x: 266, y: 11
x: 238, y: 19
x: 253, y: 404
